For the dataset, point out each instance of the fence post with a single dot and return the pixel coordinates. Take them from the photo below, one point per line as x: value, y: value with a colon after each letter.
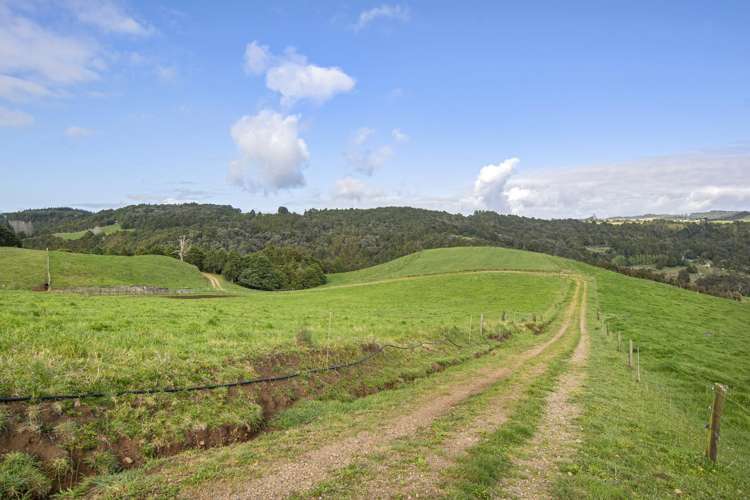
x: 481, y: 325
x: 638, y: 364
x: 49, y: 275
x: 630, y: 354
x: 712, y: 450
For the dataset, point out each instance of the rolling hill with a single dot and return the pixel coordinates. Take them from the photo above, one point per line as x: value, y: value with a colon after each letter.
x: 25, y: 269
x: 461, y: 411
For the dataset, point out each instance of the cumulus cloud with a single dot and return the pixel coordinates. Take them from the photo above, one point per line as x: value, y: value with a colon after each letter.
x: 107, y: 16
x: 489, y: 186
x: 257, y: 58
x: 671, y: 184
x: 75, y: 132
x: 395, y: 12
x: 273, y: 154
x: 12, y: 118
x: 292, y: 76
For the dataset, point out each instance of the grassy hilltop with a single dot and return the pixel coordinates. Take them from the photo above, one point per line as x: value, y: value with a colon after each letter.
x: 25, y: 269
x: 638, y: 439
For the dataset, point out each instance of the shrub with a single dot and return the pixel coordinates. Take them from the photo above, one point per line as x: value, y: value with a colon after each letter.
x: 103, y: 462
x: 3, y: 420
x: 304, y: 337
x: 20, y: 477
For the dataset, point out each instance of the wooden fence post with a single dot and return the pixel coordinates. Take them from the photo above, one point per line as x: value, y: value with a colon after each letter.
x: 714, y: 426
x: 638, y: 364
x: 630, y: 354
x: 49, y: 275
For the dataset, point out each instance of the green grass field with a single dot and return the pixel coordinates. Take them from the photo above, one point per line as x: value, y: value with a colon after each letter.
x: 26, y: 269
x: 105, y: 230
x: 449, y: 260
x: 641, y: 440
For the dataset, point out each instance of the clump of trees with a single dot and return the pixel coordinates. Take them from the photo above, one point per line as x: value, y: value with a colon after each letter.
x: 8, y: 237
x: 273, y: 268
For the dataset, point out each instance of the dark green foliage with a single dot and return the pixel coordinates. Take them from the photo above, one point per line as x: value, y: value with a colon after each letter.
x: 195, y: 256
x: 20, y: 477
x: 8, y: 237
x: 259, y: 273
x: 213, y: 261
x: 344, y: 240
x: 233, y: 266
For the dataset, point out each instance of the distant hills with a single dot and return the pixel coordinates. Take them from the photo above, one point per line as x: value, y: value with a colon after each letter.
x: 712, y: 216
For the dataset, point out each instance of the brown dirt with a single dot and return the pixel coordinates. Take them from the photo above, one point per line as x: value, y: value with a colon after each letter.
x: 317, y: 465
x: 215, y: 283
x: 555, y: 440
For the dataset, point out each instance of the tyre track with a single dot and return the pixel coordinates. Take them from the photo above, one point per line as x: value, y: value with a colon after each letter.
x: 317, y: 465
x: 555, y: 440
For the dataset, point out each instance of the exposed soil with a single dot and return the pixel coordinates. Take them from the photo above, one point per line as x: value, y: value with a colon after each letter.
x: 558, y: 434
x: 316, y: 466
x: 215, y: 283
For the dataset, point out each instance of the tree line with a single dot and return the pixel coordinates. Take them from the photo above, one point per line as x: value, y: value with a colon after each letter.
x: 348, y: 239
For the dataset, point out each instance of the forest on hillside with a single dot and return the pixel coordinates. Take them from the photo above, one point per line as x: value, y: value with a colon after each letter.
x: 295, y: 249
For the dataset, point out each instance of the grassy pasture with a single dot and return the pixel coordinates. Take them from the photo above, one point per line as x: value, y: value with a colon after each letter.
x: 75, y: 343
x: 639, y: 440
x: 106, y: 230
x: 448, y: 260
x: 25, y: 269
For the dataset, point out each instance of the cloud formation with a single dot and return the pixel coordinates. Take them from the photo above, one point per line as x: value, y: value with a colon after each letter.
x: 273, y: 154
x: 670, y: 184
x: 11, y: 118
x: 107, y: 16
x: 367, y: 159
x: 385, y: 11
x: 489, y: 186
x: 350, y: 188
x: 292, y: 76
x: 38, y: 53
x: 18, y: 89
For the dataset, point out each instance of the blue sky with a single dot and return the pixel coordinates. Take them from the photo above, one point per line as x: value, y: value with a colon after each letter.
x: 549, y: 109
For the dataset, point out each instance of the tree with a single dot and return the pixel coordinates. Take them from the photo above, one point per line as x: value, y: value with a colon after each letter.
x: 214, y: 260
x: 233, y: 267
x: 195, y: 256
x: 259, y: 273
x: 183, y: 245
x: 8, y: 237
x: 683, y: 277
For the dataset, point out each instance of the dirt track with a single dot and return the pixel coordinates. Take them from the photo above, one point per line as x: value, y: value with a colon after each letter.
x: 215, y: 283
x: 317, y: 465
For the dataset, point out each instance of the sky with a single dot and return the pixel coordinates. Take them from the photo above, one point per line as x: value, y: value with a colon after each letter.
x: 544, y: 109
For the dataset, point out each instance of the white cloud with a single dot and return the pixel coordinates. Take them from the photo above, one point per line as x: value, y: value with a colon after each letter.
x: 399, y: 136
x: 367, y: 161
x: 74, y: 132
x: 350, y: 188
x: 107, y: 16
x: 395, y: 12
x: 293, y: 77
x: 489, y: 186
x: 18, y: 89
x: 362, y: 135
x: 273, y: 154
x: 257, y: 58
x: 671, y: 184
x: 30, y: 50
x: 11, y: 118
x: 307, y: 81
